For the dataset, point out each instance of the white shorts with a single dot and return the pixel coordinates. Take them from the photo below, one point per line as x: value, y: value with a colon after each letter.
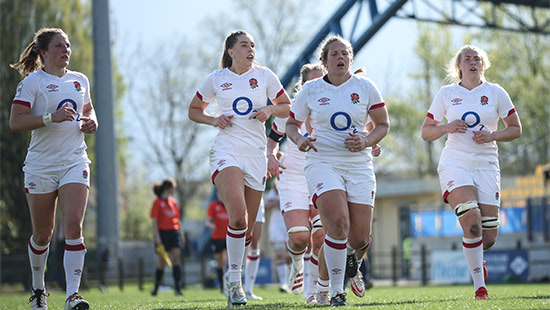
x: 486, y: 183
x: 261, y: 213
x: 293, y: 193
x: 356, y: 179
x: 277, y: 228
x: 48, y: 181
x: 253, y: 168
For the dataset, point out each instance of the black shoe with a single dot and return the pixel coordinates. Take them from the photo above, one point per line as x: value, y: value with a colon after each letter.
x: 178, y: 293
x: 352, y: 265
x: 154, y: 292
x: 338, y: 300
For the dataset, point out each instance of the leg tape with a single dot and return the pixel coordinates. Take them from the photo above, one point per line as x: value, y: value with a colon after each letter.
x: 489, y: 222
x: 316, y: 223
x: 297, y: 229
x: 463, y: 208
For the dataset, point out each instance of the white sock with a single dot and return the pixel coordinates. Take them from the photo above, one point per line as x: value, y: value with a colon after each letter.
x: 335, y: 256
x: 235, y: 252
x: 307, y: 282
x: 251, y: 269
x: 473, y: 252
x: 38, y: 256
x: 73, y: 261
x: 323, y: 285
x: 282, y: 272
x: 297, y: 258
x: 313, y: 274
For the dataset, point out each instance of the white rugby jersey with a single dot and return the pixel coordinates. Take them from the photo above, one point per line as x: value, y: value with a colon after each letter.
x: 481, y: 109
x: 335, y: 112
x: 294, y: 159
x: 57, y: 143
x: 241, y: 96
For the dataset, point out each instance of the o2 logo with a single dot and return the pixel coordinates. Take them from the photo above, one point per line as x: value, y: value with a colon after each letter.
x: 72, y: 105
x: 248, y: 104
x: 472, y: 120
x: 338, y: 119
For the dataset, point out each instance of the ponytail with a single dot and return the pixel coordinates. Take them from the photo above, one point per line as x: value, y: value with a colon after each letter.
x: 31, y: 60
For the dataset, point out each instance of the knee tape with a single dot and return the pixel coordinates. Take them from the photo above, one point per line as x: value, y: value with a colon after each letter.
x: 316, y: 223
x: 463, y: 208
x: 489, y: 222
x: 297, y: 229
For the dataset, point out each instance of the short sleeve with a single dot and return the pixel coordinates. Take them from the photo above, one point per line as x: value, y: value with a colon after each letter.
x: 279, y: 125
x: 437, y: 108
x: 155, y: 209
x: 206, y: 91
x: 299, y: 110
x: 505, y: 106
x: 274, y: 86
x: 375, y: 97
x: 26, y: 92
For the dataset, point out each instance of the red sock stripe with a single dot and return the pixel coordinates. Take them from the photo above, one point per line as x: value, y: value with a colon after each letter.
x: 236, y: 234
x: 248, y: 241
x: 314, y: 261
x: 250, y: 257
x: 472, y: 245
x: 365, y: 247
x: 293, y: 252
x: 78, y: 247
x: 337, y: 246
x: 35, y: 251
x: 322, y: 285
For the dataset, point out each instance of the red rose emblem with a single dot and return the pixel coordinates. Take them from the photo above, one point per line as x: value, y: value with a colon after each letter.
x: 354, y: 98
x: 253, y: 83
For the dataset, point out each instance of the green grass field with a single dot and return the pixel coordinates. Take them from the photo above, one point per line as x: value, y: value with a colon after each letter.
x: 509, y: 296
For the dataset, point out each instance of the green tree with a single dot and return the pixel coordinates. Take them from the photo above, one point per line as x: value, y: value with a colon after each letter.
x: 520, y: 63
x: 414, y: 156
x: 19, y: 20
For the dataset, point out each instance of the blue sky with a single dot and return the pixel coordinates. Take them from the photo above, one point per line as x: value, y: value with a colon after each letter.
x: 388, y: 57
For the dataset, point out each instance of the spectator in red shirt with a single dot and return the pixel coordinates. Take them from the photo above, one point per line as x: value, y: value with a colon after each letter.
x: 168, y: 232
x: 217, y: 220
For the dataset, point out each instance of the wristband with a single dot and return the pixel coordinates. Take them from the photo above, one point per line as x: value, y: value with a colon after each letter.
x: 47, y: 118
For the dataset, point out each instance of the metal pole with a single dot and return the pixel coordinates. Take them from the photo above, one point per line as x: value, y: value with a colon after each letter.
x: 106, y: 180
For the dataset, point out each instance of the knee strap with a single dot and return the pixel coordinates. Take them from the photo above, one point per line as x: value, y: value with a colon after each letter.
x: 463, y: 208
x: 489, y: 222
x: 297, y: 229
x: 316, y: 223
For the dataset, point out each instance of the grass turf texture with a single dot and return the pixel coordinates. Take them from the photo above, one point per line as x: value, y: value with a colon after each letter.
x: 508, y: 296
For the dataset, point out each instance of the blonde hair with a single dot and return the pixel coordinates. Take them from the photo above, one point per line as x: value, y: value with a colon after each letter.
x: 31, y: 60
x: 306, y: 69
x: 323, y: 54
x: 454, y: 74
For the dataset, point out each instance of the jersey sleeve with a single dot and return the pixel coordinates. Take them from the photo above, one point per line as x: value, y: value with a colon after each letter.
x: 375, y: 97
x: 176, y: 207
x: 300, y: 110
x: 87, y: 96
x: 26, y: 92
x: 505, y: 106
x: 437, y: 108
x: 274, y: 86
x: 155, y: 209
x: 279, y: 125
x: 211, y: 208
x: 206, y: 91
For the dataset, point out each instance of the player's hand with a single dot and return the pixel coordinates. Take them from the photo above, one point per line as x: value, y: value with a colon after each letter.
x: 274, y: 166
x: 223, y: 121
x: 456, y: 126
x: 482, y: 136
x: 88, y: 125
x: 65, y: 113
x: 306, y: 143
x: 262, y: 114
x: 376, y: 150
x: 355, y: 142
